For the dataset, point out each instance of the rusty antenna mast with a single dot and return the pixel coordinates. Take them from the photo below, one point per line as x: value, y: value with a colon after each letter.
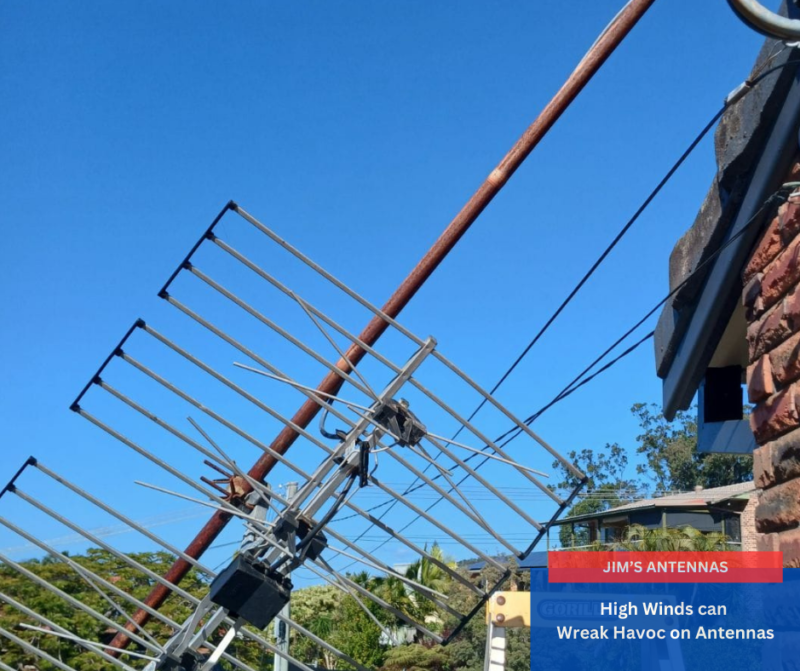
x: 378, y: 431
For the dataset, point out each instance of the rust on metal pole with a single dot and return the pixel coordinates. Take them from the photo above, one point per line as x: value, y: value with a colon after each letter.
x: 331, y: 384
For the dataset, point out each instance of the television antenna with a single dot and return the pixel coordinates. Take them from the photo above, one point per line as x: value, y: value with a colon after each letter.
x: 379, y: 436
x: 215, y: 395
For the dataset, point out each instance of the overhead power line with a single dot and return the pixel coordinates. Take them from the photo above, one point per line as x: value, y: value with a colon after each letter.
x: 580, y: 380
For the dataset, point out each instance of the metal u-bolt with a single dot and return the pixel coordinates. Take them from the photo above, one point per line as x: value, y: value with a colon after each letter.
x: 768, y: 23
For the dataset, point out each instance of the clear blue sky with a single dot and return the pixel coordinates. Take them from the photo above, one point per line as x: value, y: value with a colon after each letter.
x: 356, y: 130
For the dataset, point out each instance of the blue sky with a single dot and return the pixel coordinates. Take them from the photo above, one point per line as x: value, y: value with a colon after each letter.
x: 356, y: 131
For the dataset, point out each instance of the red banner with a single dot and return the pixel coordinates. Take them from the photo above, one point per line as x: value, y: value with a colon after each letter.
x: 630, y: 567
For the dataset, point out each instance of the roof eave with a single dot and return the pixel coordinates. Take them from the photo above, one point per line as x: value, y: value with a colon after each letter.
x: 721, y: 290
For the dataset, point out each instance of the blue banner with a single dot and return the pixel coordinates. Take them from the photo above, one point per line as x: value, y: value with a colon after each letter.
x: 665, y: 627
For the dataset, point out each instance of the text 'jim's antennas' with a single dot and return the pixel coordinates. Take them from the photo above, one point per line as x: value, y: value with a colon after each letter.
x: 381, y: 488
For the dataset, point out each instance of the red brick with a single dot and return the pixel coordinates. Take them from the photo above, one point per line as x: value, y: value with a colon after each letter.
x: 788, y: 542
x: 779, y: 507
x: 775, y: 416
x: 785, y: 361
x: 771, y: 329
x: 759, y: 380
x: 767, y: 249
x: 791, y: 310
x: 785, y: 456
x: 789, y: 219
x: 781, y: 274
x: 763, y: 472
x: 767, y: 542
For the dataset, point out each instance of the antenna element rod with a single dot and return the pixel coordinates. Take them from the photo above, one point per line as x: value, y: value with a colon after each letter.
x: 605, y: 45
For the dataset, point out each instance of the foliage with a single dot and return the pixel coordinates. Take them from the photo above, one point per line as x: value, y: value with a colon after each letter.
x: 416, y: 657
x: 670, y: 462
x: 607, y: 486
x: 60, y: 613
x: 683, y: 539
x: 315, y: 608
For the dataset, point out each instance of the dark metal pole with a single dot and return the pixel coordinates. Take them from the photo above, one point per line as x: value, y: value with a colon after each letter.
x: 331, y: 384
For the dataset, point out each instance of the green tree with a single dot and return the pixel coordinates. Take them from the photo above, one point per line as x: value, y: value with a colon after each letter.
x: 669, y: 462
x: 671, y: 459
x: 314, y: 608
x: 683, y: 539
x: 416, y: 657
x: 112, y: 569
x: 356, y: 634
x: 608, y: 485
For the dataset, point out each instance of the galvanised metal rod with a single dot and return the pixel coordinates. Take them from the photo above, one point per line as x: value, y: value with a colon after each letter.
x: 94, y: 539
x: 478, y: 433
x: 82, y: 641
x: 297, y: 470
x: 157, y: 420
x: 264, y: 363
x: 331, y: 383
x: 32, y: 650
x: 339, y: 351
x: 211, y: 413
x: 320, y: 562
x: 134, y: 601
x: 412, y: 546
x: 81, y: 569
x: 420, y: 589
x: 323, y: 644
x: 336, y: 582
x: 438, y: 524
x: 343, y: 374
x: 474, y: 516
x: 420, y: 451
x: 309, y: 308
x: 358, y: 342
x: 122, y: 518
x: 72, y: 601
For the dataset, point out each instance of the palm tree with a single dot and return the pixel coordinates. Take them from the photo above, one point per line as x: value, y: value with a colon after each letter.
x: 686, y: 539
x: 429, y: 573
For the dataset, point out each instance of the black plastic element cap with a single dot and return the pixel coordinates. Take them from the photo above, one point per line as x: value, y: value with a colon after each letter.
x: 229, y: 206
x: 10, y: 486
x: 75, y: 405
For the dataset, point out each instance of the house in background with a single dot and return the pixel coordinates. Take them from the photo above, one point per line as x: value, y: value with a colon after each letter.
x: 729, y: 510
x: 735, y: 315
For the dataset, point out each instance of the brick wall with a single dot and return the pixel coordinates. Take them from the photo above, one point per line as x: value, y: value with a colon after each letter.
x: 772, y: 301
x: 748, y: 526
